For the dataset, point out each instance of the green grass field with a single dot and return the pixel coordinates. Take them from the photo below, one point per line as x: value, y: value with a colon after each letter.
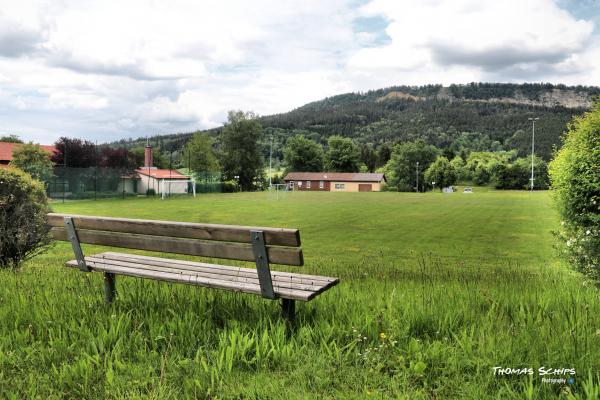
x: 437, y: 289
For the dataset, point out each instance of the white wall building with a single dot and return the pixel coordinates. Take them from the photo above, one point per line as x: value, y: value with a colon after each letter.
x: 168, y: 181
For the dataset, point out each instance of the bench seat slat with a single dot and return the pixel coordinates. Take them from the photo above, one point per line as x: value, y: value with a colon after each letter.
x: 190, y: 230
x: 195, y: 265
x: 215, y: 273
x: 194, y: 247
x: 292, y: 286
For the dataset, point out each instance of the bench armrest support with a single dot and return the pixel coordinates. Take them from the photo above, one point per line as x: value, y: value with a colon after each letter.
x: 262, y: 265
x: 74, y: 239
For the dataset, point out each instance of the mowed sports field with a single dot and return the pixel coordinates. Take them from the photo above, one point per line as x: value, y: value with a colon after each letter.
x: 436, y: 290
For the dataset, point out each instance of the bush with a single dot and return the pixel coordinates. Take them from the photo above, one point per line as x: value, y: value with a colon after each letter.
x: 230, y: 186
x: 150, y: 192
x: 24, y: 230
x: 575, y: 177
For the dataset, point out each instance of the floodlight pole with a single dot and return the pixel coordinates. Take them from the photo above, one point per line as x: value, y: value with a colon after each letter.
x: 270, y: 159
x: 417, y: 176
x: 532, y: 146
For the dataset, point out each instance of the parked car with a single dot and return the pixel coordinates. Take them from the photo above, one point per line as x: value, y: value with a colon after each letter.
x: 449, y: 189
x: 468, y: 190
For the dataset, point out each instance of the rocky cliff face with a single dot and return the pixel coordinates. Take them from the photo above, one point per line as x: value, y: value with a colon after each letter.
x: 567, y: 98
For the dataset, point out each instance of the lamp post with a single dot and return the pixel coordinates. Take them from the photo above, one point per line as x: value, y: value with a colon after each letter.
x: 270, y: 157
x: 532, y: 145
x: 417, y: 176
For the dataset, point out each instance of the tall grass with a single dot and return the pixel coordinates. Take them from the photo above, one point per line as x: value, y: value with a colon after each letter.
x: 404, y: 323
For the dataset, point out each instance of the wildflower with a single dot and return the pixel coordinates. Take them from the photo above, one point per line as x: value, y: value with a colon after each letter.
x: 598, y: 332
x: 588, y: 232
x: 382, y: 335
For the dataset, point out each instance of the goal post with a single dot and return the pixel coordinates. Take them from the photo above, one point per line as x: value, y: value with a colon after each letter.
x: 165, y: 186
x: 280, y: 187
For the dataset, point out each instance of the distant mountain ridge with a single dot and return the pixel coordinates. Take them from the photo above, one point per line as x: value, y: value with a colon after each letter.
x: 438, y: 114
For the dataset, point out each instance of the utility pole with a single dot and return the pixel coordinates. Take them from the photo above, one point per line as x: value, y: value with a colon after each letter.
x: 270, y: 159
x: 417, y: 176
x: 65, y: 171
x: 532, y: 146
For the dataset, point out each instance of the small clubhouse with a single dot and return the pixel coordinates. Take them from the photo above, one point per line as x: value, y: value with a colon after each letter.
x: 335, y: 181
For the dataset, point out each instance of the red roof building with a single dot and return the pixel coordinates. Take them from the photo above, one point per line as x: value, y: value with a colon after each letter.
x: 160, y: 181
x: 7, y: 148
x: 161, y: 173
x: 335, y: 181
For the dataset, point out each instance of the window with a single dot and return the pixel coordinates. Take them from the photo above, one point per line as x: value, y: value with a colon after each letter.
x: 339, y: 185
x: 321, y: 184
x: 299, y: 183
x: 308, y: 184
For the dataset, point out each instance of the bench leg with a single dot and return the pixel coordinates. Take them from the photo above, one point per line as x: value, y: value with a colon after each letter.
x: 110, y: 289
x: 288, y: 309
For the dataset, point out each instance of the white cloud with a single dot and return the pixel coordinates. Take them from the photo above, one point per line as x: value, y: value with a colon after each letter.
x: 486, y: 36
x: 111, y: 69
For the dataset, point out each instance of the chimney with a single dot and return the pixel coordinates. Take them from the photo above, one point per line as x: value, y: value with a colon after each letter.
x: 148, y: 156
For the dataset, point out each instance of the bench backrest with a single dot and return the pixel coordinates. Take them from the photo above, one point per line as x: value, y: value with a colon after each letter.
x: 230, y: 242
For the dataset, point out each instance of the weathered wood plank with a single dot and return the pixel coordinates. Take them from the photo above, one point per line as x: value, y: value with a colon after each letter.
x: 96, y: 263
x: 227, y: 233
x: 225, y: 269
x: 194, y: 247
x: 286, y: 283
x: 199, y: 281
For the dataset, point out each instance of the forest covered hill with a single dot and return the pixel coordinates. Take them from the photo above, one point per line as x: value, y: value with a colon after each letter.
x: 472, y: 117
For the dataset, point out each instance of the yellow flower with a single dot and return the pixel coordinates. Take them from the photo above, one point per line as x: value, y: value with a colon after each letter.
x: 382, y: 335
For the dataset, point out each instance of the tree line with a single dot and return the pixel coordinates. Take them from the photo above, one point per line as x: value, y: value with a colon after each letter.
x: 407, y: 163
x: 239, y: 158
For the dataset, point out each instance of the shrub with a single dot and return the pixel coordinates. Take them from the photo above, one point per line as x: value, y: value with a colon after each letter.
x: 24, y: 230
x: 150, y: 192
x: 575, y: 177
x: 230, y: 186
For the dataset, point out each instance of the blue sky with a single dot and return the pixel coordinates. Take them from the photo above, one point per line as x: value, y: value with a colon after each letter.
x: 106, y: 70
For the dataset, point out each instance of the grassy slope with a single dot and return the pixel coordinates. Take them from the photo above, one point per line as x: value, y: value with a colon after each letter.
x: 457, y: 283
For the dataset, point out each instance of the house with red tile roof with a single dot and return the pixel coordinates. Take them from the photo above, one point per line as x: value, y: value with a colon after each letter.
x: 7, y: 148
x: 335, y: 181
x: 160, y: 180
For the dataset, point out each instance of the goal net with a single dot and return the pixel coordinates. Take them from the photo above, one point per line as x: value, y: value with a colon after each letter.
x: 278, y: 190
x: 168, y: 187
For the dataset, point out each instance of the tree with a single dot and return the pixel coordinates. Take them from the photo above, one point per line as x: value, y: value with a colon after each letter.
x: 117, y: 158
x: 481, y: 164
x: 575, y: 176
x: 368, y: 156
x: 441, y: 172
x: 403, y: 164
x: 158, y: 159
x: 32, y: 159
x: 517, y: 175
x: 241, y: 151
x: 303, y: 155
x: 459, y: 167
x: 10, y: 139
x: 75, y: 153
x: 343, y: 155
x: 24, y: 228
x: 199, y: 155
x: 383, y: 155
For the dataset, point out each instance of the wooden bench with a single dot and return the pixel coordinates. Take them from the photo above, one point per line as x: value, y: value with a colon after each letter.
x: 264, y: 246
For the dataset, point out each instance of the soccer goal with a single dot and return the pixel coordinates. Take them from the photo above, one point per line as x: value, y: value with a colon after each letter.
x: 280, y: 189
x: 168, y: 187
